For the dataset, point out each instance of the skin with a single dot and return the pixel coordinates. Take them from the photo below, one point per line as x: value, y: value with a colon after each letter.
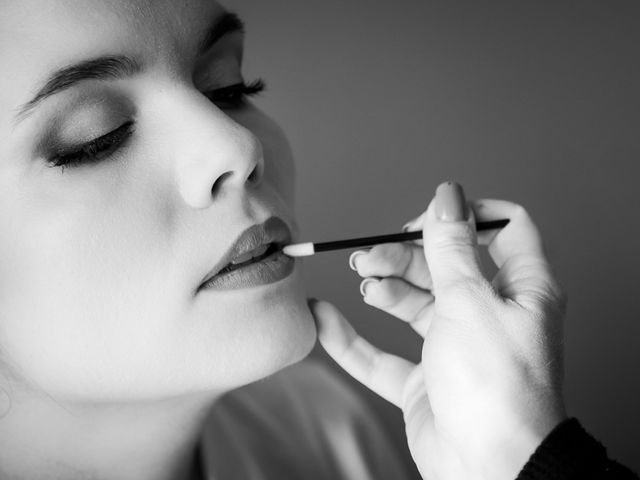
x: 488, y: 388
x: 107, y: 353
x: 110, y: 360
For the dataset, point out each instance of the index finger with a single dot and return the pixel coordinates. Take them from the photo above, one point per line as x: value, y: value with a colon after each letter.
x: 518, y: 251
x: 519, y: 237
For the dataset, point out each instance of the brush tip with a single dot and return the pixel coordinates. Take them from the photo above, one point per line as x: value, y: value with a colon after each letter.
x: 299, y: 249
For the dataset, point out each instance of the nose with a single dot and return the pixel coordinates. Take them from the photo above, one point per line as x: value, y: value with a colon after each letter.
x: 217, y: 154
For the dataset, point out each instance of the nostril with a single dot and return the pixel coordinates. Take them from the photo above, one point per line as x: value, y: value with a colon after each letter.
x: 217, y: 185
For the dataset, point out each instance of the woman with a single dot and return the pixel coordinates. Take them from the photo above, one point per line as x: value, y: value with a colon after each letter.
x: 143, y: 200
x: 143, y: 204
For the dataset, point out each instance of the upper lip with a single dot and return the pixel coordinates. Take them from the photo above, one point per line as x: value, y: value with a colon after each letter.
x: 273, y: 230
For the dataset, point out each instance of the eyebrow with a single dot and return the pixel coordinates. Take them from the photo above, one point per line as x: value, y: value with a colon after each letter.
x: 118, y: 66
x: 227, y: 23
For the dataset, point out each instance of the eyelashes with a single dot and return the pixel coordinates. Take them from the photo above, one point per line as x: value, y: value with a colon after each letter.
x: 94, y: 150
x: 233, y: 96
x: 226, y: 98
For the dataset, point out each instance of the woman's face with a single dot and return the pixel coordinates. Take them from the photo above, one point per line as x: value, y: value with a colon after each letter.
x: 101, y: 261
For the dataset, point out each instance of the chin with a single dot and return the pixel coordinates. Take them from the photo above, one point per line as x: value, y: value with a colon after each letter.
x: 269, y: 328
x: 290, y: 332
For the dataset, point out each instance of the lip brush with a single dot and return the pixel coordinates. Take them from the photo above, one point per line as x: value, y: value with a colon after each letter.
x: 310, y: 248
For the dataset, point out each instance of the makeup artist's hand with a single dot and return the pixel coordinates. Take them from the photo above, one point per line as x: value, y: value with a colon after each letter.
x: 488, y: 388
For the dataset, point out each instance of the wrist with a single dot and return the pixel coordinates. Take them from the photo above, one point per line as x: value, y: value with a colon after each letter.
x: 517, y: 436
x: 511, y: 454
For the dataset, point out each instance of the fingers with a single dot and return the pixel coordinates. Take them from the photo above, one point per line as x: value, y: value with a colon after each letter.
x: 525, y: 275
x: 400, y: 299
x: 449, y: 258
x: 520, y: 236
x: 403, y: 260
x: 382, y: 372
x: 450, y: 241
x: 413, y: 226
x: 397, y: 282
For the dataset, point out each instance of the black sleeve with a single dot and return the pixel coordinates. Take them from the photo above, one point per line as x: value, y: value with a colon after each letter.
x: 569, y: 453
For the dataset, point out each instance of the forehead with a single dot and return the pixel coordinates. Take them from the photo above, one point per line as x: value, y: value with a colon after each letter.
x: 38, y: 36
x: 49, y: 28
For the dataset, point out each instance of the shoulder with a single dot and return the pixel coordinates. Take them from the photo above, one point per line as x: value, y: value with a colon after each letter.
x: 307, y: 417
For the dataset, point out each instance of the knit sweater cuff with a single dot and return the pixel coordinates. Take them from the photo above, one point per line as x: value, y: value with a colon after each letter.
x: 568, y: 452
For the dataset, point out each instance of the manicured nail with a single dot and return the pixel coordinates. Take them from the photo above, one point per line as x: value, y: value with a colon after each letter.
x: 451, y: 206
x: 352, y: 259
x: 365, y: 283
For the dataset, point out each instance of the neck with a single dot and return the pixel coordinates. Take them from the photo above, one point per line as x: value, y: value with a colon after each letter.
x: 43, y: 439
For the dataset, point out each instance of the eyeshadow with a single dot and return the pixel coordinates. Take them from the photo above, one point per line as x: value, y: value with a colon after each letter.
x: 82, y: 120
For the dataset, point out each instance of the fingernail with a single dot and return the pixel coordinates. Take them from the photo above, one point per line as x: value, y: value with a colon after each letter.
x: 352, y: 259
x: 451, y: 206
x: 365, y: 283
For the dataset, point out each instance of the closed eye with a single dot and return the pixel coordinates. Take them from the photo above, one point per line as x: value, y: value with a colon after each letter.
x: 234, y: 96
x: 229, y: 97
x: 93, y: 150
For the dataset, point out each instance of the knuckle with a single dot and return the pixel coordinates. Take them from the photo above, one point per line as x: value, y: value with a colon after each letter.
x: 391, y: 257
x: 521, y: 216
x: 452, y: 253
x: 546, y: 292
x: 391, y: 251
x: 455, y: 234
x: 520, y: 212
x: 547, y: 301
x: 387, y: 293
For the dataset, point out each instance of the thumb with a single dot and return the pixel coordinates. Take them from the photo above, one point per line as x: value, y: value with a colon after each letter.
x: 450, y: 240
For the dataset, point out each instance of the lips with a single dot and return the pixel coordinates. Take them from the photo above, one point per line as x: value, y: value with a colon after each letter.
x: 255, y: 243
x: 248, y: 258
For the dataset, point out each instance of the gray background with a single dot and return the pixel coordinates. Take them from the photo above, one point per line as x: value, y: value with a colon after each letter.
x: 532, y: 101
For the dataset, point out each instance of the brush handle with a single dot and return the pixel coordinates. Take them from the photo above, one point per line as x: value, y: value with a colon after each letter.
x: 394, y: 237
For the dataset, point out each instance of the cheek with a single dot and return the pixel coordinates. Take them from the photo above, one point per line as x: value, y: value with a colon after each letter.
x: 96, y: 302
x: 95, y: 299
x: 75, y: 300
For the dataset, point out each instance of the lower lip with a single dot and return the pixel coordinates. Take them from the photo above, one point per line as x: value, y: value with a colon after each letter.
x: 268, y: 270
